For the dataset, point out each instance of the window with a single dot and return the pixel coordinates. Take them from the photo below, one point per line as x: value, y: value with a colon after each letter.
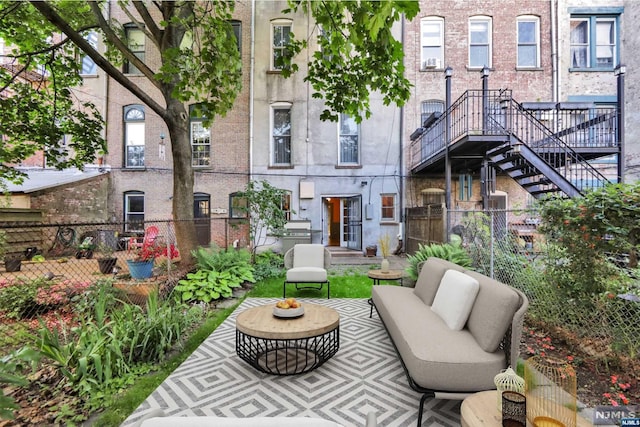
x: 528, y: 42
x: 88, y: 66
x: 135, y: 41
x: 134, y: 211
x: 429, y: 107
x: 432, y: 41
x: 238, y: 206
x: 349, y: 140
x: 480, y: 42
x: 200, y: 138
x: 134, y: 136
x: 388, y: 204
x: 594, y: 41
x: 236, y: 26
x: 281, y: 30
x: 281, y: 135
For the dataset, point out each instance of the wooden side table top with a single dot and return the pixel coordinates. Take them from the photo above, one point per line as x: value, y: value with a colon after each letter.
x: 389, y: 275
x: 481, y: 410
x: 260, y: 322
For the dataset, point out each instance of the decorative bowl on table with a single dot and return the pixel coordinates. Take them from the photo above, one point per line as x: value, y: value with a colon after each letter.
x: 288, y: 308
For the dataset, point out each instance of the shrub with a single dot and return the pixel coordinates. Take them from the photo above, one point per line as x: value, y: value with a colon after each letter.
x: 447, y: 251
x: 268, y: 264
x: 219, y: 271
x: 18, y: 297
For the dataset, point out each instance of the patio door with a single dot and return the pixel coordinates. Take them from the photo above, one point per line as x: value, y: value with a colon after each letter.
x: 351, y: 222
x: 202, y: 218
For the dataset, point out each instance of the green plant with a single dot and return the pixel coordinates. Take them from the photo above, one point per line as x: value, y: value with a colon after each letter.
x: 267, y: 264
x: 18, y: 296
x: 3, y: 243
x: 264, y: 206
x: 447, y: 251
x: 219, y: 271
x: 12, y: 368
x: 106, y: 251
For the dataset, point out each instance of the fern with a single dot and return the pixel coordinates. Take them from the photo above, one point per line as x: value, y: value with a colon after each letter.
x: 452, y: 252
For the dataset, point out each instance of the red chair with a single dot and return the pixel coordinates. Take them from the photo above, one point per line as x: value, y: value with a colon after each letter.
x: 150, y: 236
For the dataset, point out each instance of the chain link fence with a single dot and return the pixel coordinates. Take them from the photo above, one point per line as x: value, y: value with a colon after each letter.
x: 508, y: 246
x: 46, y: 267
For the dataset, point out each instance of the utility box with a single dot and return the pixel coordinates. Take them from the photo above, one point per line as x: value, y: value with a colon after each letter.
x: 295, y: 232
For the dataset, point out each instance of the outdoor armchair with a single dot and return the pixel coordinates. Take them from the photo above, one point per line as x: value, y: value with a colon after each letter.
x: 307, y: 264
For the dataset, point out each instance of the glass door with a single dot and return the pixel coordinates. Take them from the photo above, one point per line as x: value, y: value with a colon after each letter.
x: 352, y: 222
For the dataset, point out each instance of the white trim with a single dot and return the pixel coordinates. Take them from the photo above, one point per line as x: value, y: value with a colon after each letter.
x: 489, y: 21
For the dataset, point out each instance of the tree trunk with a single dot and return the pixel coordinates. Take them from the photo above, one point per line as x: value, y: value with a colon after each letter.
x: 183, y: 180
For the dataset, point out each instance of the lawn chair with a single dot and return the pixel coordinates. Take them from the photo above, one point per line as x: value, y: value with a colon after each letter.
x: 150, y: 235
x: 307, y: 264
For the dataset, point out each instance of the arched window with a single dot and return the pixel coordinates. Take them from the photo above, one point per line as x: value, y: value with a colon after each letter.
x: 134, y: 136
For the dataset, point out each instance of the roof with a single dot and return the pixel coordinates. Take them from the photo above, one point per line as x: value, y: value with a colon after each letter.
x: 41, y: 179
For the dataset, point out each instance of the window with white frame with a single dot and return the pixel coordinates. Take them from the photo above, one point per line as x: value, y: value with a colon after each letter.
x: 280, y: 36
x: 594, y: 41
x: 134, y: 136
x: 134, y: 211
x: 200, y: 137
x: 348, y: 140
x: 480, y: 41
x: 388, y: 208
x: 136, y: 43
x: 281, y: 134
x: 432, y: 42
x: 528, y: 41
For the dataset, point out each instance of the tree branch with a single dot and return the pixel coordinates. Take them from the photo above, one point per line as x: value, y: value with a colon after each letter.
x: 105, y: 65
x: 120, y: 45
x: 155, y: 32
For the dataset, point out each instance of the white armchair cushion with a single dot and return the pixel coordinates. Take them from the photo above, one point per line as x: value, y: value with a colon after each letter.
x: 455, y: 297
x: 306, y: 274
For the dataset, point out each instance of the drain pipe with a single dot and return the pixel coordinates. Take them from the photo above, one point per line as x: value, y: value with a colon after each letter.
x: 251, y: 95
x: 401, y: 154
x: 554, y: 53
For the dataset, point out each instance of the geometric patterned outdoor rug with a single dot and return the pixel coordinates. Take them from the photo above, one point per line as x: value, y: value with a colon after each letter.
x: 365, y: 375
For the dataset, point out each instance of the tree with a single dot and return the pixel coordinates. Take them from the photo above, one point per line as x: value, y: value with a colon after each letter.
x: 199, y: 63
x: 263, y: 205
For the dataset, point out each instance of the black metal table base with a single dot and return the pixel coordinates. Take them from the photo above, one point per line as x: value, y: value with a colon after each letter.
x: 287, y: 356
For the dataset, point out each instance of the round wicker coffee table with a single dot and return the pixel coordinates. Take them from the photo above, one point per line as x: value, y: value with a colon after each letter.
x: 287, y: 346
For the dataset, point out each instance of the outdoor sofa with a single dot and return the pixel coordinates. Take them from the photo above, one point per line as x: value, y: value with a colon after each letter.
x: 454, y: 331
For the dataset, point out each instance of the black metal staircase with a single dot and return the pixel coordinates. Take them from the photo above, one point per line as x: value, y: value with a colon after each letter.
x: 546, y: 152
x: 537, y: 158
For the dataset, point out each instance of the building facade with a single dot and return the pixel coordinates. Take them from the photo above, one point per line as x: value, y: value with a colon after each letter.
x: 344, y: 178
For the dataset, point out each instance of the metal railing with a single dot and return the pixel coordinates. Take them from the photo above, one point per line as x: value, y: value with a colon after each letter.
x: 551, y: 134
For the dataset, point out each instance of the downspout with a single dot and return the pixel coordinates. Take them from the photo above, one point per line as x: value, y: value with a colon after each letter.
x: 251, y: 95
x: 555, y: 79
x: 401, y: 155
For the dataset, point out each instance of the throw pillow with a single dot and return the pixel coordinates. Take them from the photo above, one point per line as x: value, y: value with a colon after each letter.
x: 455, y: 297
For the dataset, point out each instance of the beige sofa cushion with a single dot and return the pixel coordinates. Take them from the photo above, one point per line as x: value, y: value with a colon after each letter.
x: 454, y: 299
x: 436, y: 357
x: 430, y: 276
x: 492, y: 312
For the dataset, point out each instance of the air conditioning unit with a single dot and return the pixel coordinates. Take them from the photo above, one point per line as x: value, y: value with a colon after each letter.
x: 430, y: 63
